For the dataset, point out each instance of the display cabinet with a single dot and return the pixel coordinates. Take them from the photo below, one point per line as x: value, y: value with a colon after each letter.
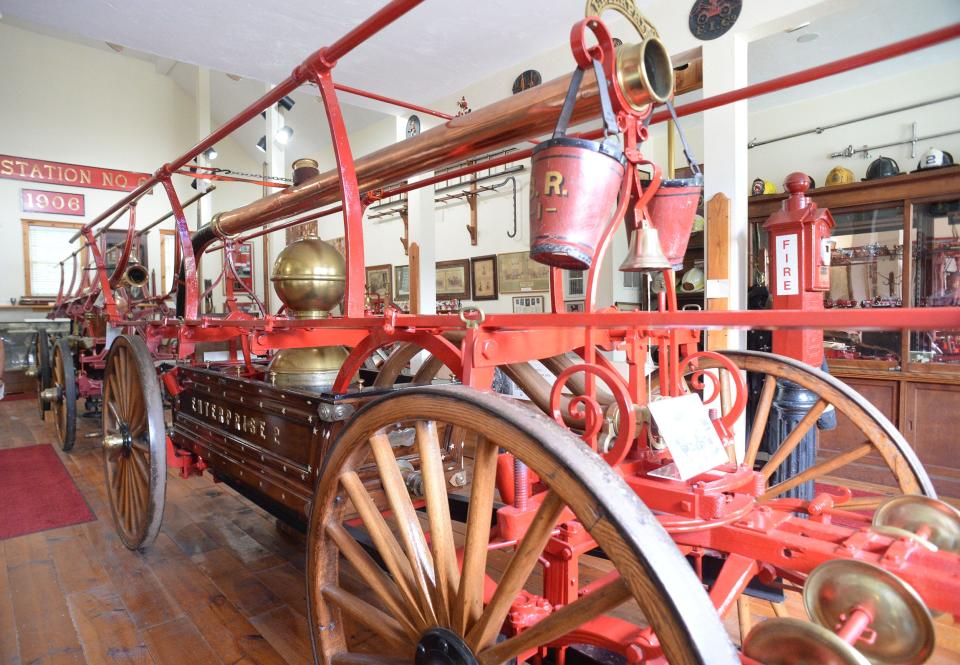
x: 896, y: 244
x: 19, y: 349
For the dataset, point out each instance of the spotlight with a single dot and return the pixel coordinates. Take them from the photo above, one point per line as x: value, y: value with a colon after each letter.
x: 283, y: 135
x: 262, y: 143
x: 210, y: 154
x: 285, y: 104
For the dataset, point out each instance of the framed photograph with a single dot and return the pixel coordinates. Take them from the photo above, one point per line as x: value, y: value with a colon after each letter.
x: 573, y: 306
x: 483, y: 270
x: 243, y: 262
x: 401, y: 283
x: 112, y: 243
x: 380, y: 281
x: 518, y: 273
x: 527, y: 304
x: 453, y: 279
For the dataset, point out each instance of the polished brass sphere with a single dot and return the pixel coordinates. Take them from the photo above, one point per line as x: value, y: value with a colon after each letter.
x: 309, y: 276
x: 313, y: 368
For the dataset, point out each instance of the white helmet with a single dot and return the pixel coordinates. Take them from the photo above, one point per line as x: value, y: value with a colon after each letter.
x: 934, y: 159
x: 692, y: 280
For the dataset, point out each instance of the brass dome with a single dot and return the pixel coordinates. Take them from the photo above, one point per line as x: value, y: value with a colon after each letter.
x: 309, y: 277
x: 313, y: 368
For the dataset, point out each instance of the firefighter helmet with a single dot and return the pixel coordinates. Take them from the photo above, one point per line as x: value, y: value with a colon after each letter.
x: 882, y: 167
x: 840, y: 175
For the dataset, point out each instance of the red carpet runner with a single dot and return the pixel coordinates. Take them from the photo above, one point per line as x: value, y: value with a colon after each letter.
x: 37, y: 493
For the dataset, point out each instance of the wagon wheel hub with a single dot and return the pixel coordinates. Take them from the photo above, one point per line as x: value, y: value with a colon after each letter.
x: 119, y: 443
x: 51, y: 395
x: 440, y: 646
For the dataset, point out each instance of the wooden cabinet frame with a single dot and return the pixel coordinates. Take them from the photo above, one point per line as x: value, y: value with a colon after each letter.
x: 905, y: 190
x: 922, y: 400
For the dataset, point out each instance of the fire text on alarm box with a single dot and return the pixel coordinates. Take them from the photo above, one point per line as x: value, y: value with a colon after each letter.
x: 787, y: 273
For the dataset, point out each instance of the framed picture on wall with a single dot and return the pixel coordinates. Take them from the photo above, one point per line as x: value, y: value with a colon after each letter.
x: 518, y: 273
x: 401, y: 283
x: 573, y: 306
x: 527, y: 304
x: 380, y: 281
x: 243, y: 262
x: 111, y: 245
x: 483, y: 270
x: 453, y: 279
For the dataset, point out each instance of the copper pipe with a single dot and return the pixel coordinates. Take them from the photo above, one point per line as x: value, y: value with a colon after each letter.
x: 502, y: 124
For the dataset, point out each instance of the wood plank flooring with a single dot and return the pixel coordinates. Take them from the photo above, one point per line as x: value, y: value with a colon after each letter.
x: 220, y: 585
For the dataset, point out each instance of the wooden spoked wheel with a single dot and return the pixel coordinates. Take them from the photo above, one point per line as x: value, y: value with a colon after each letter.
x: 425, y: 594
x: 876, y: 435
x: 400, y: 355
x: 64, y: 379
x: 134, y: 442
x: 41, y: 354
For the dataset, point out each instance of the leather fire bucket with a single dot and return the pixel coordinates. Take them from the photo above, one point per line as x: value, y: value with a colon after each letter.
x: 574, y: 187
x: 672, y: 211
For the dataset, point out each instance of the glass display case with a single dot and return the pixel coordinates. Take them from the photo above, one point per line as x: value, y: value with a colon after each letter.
x: 935, y: 282
x: 19, y: 344
x: 866, y: 272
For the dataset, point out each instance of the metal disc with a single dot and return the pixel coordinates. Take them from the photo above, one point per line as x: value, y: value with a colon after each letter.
x: 910, y: 512
x: 799, y: 642
x: 903, y: 625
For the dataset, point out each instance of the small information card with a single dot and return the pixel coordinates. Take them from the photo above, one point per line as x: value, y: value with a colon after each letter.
x: 689, y: 435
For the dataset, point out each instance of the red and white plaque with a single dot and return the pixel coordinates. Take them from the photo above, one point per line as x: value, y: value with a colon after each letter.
x: 51, y: 203
x: 73, y: 175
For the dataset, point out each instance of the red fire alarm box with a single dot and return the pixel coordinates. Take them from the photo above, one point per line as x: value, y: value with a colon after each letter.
x: 799, y: 242
x: 800, y: 248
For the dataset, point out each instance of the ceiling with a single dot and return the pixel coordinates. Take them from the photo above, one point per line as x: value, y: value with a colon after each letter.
x: 864, y: 25
x: 431, y: 52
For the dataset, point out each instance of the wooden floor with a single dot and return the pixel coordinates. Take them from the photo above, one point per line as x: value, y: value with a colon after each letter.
x: 220, y: 585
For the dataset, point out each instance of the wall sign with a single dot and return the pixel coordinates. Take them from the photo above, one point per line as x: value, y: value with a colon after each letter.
x: 75, y: 175
x: 53, y: 203
x: 710, y: 19
x: 243, y: 262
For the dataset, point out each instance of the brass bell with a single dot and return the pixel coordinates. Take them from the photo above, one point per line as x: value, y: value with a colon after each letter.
x: 645, y: 252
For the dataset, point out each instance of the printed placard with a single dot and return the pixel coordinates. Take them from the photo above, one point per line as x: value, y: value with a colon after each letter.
x: 688, y: 433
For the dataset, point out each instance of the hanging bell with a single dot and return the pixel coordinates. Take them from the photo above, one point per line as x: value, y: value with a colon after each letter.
x: 645, y: 252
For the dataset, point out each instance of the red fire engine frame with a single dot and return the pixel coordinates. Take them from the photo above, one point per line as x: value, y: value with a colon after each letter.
x: 749, y: 534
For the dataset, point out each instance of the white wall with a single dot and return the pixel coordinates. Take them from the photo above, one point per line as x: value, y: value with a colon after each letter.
x: 67, y: 102
x: 810, y: 153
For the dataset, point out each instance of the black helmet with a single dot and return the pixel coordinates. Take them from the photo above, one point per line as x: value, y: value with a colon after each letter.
x: 882, y: 167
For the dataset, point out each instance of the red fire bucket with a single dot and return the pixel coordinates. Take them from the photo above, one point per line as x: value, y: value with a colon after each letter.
x: 574, y: 187
x: 672, y: 210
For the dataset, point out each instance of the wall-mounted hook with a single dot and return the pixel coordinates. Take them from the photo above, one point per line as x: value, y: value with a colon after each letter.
x: 405, y: 238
